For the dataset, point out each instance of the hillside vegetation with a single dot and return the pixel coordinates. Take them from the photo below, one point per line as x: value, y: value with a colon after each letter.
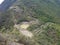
x: 40, y: 18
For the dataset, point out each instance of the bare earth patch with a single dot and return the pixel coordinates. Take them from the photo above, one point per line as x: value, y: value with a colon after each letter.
x: 24, y: 25
x: 23, y: 29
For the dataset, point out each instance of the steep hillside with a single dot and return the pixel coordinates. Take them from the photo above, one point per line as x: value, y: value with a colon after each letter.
x: 44, y: 7
x: 6, y: 4
x: 40, y: 18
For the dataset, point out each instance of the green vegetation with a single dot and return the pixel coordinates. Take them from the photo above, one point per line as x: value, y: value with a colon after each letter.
x: 46, y: 31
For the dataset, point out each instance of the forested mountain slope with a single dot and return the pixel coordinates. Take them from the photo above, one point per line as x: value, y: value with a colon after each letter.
x: 41, y: 17
x: 44, y: 7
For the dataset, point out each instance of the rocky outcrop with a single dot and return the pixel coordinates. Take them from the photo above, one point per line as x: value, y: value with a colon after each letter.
x: 13, y: 43
x: 3, y: 40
